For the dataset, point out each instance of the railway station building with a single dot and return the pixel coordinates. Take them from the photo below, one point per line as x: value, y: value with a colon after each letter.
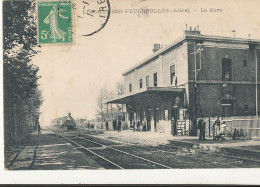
x: 194, y: 76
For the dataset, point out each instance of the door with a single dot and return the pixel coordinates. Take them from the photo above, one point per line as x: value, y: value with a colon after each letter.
x: 131, y: 117
x: 155, y: 119
x: 226, y: 110
x: 148, y: 119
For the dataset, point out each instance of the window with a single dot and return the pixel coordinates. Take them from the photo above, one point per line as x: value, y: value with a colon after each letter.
x: 246, y: 108
x: 245, y: 63
x: 147, y: 81
x: 226, y: 69
x: 130, y: 87
x: 166, y: 115
x: 226, y: 110
x: 141, y: 83
x: 155, y: 79
x: 157, y: 115
x: 172, y: 73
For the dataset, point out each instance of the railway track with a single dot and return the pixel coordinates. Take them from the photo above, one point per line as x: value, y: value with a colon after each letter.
x: 189, y: 158
x: 203, y: 156
x: 129, y: 161
x: 173, y: 157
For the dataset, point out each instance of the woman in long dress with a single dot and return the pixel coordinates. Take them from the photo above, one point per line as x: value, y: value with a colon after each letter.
x: 216, y: 127
x: 52, y: 19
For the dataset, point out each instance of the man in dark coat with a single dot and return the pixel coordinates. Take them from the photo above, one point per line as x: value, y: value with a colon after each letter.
x: 134, y: 125
x: 202, y: 130
x: 174, y: 128
x: 144, y: 125
x: 138, y: 125
x: 114, y: 125
x: 106, y: 125
x: 201, y: 127
x: 119, y: 126
x: 39, y: 128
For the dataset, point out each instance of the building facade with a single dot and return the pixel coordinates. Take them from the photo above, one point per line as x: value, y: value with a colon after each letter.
x: 194, y: 76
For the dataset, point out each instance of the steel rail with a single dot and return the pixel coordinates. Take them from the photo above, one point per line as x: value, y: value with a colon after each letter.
x: 223, y: 155
x: 89, y: 150
x: 192, y: 157
x: 170, y: 152
x: 235, y: 157
x: 162, y: 165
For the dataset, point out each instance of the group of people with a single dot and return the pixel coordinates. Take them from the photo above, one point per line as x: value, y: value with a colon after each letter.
x: 116, y: 125
x: 139, y: 126
x: 218, y: 129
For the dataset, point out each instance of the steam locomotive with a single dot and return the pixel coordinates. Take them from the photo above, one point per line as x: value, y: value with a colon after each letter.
x: 65, y: 122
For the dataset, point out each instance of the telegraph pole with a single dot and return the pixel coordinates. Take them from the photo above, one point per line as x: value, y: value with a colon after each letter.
x: 256, y: 85
x: 196, y: 71
x: 234, y: 31
x: 195, y: 85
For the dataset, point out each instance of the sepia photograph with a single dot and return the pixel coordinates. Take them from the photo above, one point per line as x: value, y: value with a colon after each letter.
x: 130, y: 92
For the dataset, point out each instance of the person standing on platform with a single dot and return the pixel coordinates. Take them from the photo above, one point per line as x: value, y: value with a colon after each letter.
x: 144, y: 125
x: 39, y: 129
x: 174, y: 128
x: 114, y: 125
x: 202, y: 130
x: 138, y: 125
x: 119, y: 125
x: 106, y: 125
x: 134, y: 125
x: 216, y: 127
x: 200, y: 122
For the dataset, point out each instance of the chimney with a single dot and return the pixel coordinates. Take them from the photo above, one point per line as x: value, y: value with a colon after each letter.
x: 156, y: 47
x: 195, y: 31
x: 234, y: 31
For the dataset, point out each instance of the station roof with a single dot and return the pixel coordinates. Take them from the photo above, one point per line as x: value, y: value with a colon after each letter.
x: 191, y: 37
x: 146, y: 93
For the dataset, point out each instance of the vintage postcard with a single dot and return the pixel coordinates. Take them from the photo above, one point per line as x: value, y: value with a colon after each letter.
x: 131, y: 92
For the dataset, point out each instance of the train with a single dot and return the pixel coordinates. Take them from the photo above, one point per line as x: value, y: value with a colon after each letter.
x: 65, y: 122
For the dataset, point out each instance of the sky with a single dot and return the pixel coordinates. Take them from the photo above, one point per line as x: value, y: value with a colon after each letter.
x: 73, y: 75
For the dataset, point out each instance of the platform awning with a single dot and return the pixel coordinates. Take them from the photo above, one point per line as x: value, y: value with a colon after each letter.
x: 149, y: 93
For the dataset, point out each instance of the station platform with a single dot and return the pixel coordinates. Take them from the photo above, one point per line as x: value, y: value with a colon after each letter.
x: 46, y: 151
x: 241, y: 146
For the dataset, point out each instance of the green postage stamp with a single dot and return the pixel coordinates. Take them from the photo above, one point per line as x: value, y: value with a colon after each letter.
x: 55, y: 22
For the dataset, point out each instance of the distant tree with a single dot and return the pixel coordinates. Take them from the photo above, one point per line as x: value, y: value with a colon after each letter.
x: 32, y: 111
x: 120, y: 91
x: 101, y: 106
x: 119, y: 88
x: 110, y: 111
x: 22, y: 98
